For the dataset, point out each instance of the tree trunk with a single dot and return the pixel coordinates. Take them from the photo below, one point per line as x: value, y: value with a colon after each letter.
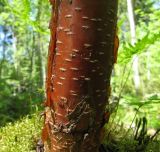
x: 3, y: 48
x: 39, y: 50
x: 136, y: 77
x: 81, y: 58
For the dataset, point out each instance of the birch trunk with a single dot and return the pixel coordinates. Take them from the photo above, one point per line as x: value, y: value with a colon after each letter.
x: 81, y: 56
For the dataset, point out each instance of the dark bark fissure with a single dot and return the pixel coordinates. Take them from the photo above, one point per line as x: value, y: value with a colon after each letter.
x: 81, y: 57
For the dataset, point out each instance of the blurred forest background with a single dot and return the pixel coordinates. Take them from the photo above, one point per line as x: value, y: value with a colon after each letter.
x: 24, y: 40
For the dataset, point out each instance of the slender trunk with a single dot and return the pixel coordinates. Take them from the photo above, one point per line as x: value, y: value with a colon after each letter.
x: 2, y: 61
x: 81, y: 57
x: 31, y: 57
x: 4, y: 47
x: 131, y: 21
x: 14, y: 45
x: 40, y: 61
x: 43, y: 68
x: 148, y: 66
x: 39, y: 48
x: 136, y: 77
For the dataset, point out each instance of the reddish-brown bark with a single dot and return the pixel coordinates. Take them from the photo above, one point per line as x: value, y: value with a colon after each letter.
x: 81, y: 57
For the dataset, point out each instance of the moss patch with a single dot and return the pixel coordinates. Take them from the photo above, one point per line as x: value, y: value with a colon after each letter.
x: 22, y: 135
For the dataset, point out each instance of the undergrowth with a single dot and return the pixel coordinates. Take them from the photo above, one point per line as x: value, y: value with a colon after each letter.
x: 118, y: 138
x: 23, y: 135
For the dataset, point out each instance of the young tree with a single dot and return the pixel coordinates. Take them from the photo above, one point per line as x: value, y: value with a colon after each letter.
x: 81, y: 58
x: 136, y: 77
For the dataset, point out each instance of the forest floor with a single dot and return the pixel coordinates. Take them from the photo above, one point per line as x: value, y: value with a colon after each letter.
x: 23, y: 135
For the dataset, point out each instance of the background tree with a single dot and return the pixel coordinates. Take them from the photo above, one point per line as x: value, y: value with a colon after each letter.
x: 131, y: 17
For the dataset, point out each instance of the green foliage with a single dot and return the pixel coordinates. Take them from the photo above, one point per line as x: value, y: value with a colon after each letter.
x: 23, y: 13
x: 144, y: 101
x: 128, y: 130
x: 121, y: 139
x: 140, y: 47
x: 22, y: 66
x: 21, y: 136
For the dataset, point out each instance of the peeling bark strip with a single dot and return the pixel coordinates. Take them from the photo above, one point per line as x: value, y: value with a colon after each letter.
x: 81, y: 57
